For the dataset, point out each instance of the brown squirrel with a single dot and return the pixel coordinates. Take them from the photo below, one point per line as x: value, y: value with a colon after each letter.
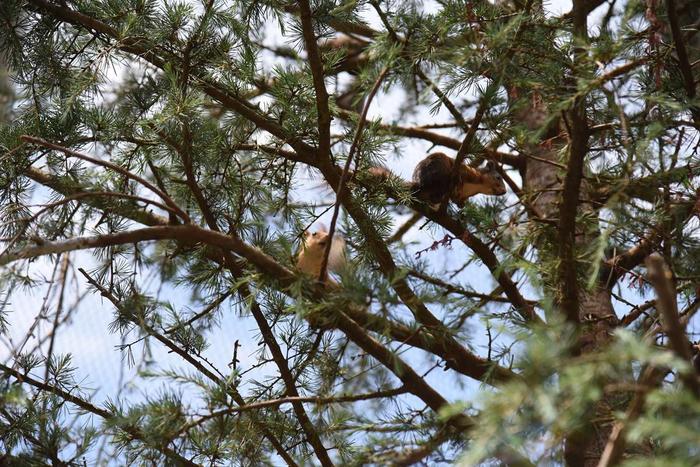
x: 432, y: 179
x: 313, y: 247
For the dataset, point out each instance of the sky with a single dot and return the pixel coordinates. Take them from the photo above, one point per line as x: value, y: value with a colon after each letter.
x: 102, y: 367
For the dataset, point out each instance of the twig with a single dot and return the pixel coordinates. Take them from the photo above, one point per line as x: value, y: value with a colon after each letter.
x: 413, y: 456
x: 57, y: 315
x: 346, y: 170
x: 294, y: 399
x: 208, y: 309
x: 115, y: 167
x: 636, y: 312
x: 405, y: 227
x: 443, y: 98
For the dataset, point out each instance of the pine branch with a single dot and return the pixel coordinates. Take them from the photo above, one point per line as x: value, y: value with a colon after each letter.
x: 139, y: 47
x: 340, y: 25
x: 439, y: 139
x: 615, y: 447
x: 661, y: 277
x: 68, y: 187
x: 293, y: 400
x: 413, y: 456
x: 120, y: 170
x: 622, y: 263
x: 316, y: 65
x: 134, y: 432
x: 684, y: 62
x: 281, y: 451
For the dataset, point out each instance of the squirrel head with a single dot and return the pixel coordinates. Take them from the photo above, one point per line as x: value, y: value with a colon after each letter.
x: 313, y: 247
x: 316, y: 240
x: 492, y: 179
x: 486, y: 180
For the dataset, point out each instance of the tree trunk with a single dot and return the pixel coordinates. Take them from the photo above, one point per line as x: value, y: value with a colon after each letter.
x: 542, y: 183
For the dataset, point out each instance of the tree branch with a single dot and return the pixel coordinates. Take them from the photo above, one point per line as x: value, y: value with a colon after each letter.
x: 684, y: 62
x: 316, y: 65
x: 661, y: 277
x: 168, y: 201
x: 67, y: 186
x: 512, y: 160
x: 615, y: 447
x: 294, y: 399
x: 346, y: 170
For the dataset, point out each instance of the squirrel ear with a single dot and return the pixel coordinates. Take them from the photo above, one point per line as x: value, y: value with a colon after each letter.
x: 490, y: 165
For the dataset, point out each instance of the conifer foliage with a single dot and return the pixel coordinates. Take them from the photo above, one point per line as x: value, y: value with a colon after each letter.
x: 161, y: 160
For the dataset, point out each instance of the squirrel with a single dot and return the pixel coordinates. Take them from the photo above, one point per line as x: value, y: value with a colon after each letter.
x: 313, y: 247
x: 432, y: 179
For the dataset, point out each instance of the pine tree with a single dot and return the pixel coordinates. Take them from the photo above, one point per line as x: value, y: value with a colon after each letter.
x: 165, y: 158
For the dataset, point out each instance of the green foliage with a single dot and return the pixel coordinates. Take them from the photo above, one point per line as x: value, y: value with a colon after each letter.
x: 163, y: 159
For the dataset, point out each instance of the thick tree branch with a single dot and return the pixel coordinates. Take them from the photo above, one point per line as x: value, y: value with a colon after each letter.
x: 568, y: 208
x: 101, y: 241
x: 316, y: 65
x: 661, y: 277
x: 684, y: 62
